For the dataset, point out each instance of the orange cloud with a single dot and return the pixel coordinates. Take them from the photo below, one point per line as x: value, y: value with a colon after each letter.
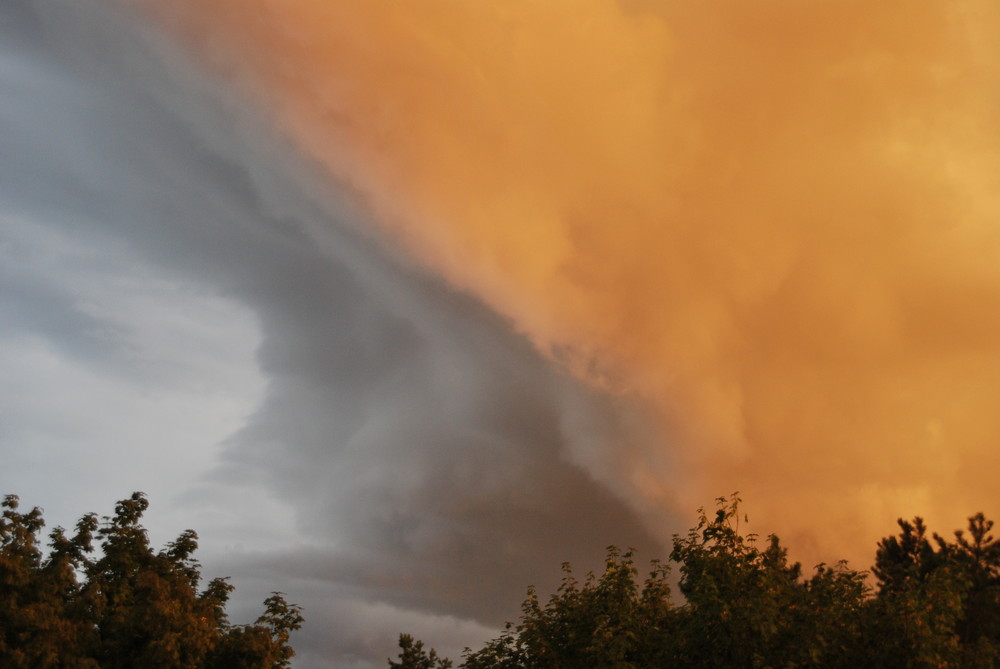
x: 773, y: 223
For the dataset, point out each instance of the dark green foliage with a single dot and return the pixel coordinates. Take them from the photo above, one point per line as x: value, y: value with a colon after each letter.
x: 130, y: 607
x: 939, y: 602
x: 413, y: 656
x: 978, y: 556
x: 747, y: 606
x: 606, y: 622
x: 936, y: 604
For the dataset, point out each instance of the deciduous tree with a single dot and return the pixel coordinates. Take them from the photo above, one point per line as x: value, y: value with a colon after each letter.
x: 130, y: 606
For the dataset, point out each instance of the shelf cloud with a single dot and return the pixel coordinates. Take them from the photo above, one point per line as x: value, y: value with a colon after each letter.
x: 191, y: 310
x: 771, y: 224
x: 400, y: 305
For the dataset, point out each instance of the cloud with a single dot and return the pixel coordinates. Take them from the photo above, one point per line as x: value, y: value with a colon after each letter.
x: 190, y: 310
x: 117, y: 373
x: 770, y: 222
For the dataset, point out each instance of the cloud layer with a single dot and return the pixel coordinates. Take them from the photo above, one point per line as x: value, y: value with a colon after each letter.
x: 190, y: 311
x: 772, y: 223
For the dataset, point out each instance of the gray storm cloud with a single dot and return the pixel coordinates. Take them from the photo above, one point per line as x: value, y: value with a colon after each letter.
x: 355, y: 432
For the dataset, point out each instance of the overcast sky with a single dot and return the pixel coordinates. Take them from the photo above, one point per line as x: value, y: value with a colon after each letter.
x: 188, y: 311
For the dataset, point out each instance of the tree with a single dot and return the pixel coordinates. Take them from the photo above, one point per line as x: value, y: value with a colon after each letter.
x: 606, y: 622
x: 129, y: 607
x: 43, y: 618
x: 978, y: 556
x: 263, y: 645
x: 747, y: 606
x: 939, y: 602
x: 936, y: 604
x: 413, y: 656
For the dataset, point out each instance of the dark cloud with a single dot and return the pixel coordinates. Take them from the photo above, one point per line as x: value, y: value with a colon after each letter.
x: 409, y: 463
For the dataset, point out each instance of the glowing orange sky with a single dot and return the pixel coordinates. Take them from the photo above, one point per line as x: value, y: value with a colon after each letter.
x: 775, y: 223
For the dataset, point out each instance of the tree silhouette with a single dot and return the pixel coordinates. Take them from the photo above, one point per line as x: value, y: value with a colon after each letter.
x: 129, y: 607
x: 936, y: 603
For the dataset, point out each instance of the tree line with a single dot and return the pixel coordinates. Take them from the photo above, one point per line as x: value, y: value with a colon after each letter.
x: 126, y: 606
x: 928, y: 601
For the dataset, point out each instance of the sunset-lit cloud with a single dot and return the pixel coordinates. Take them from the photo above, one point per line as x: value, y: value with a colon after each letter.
x: 402, y: 303
x: 773, y: 224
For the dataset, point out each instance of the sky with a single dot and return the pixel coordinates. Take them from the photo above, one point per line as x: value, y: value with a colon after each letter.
x: 401, y: 305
